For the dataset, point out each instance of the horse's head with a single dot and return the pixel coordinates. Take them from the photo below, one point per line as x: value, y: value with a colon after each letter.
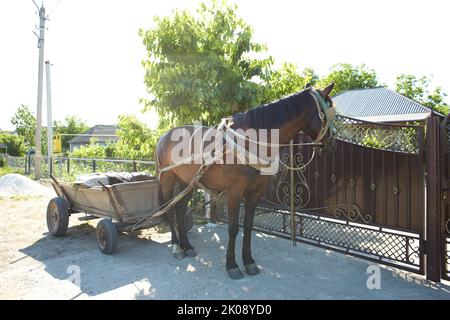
x: 321, y: 117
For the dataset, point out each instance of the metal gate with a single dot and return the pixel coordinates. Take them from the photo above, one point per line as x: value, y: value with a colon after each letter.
x: 366, y: 198
x: 382, y: 195
x: 445, y: 196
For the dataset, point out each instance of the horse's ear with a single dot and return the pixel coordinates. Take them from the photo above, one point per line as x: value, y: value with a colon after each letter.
x: 307, y: 86
x: 326, y: 91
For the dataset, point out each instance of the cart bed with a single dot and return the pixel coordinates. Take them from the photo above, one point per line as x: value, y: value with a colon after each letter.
x: 124, y: 202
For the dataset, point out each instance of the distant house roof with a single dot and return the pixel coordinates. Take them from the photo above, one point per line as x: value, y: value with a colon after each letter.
x: 109, y: 132
x: 379, y: 105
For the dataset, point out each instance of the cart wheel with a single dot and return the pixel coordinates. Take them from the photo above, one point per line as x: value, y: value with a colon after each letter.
x: 106, y: 236
x: 189, y: 221
x: 57, y: 216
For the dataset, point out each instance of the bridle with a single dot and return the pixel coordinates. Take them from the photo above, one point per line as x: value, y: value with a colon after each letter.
x: 326, y: 113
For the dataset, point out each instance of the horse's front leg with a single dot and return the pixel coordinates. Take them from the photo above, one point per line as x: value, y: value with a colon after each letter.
x: 180, y: 209
x: 233, y: 203
x: 250, y: 205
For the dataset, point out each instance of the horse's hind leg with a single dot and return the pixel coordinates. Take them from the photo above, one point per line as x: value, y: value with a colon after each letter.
x: 168, y: 181
x: 233, y: 204
x: 180, y: 211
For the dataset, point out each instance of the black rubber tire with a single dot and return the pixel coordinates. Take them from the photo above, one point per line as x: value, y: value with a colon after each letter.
x: 106, y: 236
x: 57, y: 216
x: 189, y: 221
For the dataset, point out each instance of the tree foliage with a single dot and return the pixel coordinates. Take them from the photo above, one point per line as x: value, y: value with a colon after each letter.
x: 203, y: 66
x: 287, y: 80
x: 348, y: 77
x: 15, y: 143
x: 91, y: 150
x: 418, y: 89
x: 25, y: 123
x: 71, y: 125
x: 136, y: 140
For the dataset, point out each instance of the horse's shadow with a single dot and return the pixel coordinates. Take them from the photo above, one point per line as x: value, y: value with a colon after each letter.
x: 142, y: 262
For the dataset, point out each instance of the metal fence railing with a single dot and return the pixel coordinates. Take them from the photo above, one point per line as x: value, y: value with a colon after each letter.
x: 68, y: 168
x: 15, y: 162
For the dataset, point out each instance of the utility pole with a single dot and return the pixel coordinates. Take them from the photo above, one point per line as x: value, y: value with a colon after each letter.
x: 49, y: 119
x: 37, y: 159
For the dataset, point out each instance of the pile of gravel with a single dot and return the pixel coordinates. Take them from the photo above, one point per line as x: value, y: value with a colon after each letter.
x: 17, y: 184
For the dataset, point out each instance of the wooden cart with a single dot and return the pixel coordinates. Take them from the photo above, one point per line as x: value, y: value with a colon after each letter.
x: 120, y: 205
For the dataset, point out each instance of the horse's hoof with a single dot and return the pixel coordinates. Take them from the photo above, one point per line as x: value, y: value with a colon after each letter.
x: 179, y: 255
x: 190, y: 253
x: 252, y: 269
x: 235, y: 274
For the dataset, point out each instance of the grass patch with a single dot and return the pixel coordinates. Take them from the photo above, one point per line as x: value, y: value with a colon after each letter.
x: 20, y: 197
x: 7, y: 170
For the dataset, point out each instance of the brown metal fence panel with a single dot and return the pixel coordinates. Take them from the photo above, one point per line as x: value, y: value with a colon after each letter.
x: 445, y: 208
x: 365, y: 185
x: 365, y: 198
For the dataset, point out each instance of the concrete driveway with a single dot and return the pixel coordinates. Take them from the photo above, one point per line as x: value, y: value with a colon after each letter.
x: 34, y: 265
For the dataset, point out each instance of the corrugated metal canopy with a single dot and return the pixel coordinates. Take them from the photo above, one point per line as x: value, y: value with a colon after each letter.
x: 379, y: 105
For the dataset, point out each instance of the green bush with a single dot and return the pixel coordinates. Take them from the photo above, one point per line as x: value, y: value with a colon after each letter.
x: 15, y: 144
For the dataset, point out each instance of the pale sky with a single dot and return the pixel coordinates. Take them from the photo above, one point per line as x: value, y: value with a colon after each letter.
x: 96, y: 53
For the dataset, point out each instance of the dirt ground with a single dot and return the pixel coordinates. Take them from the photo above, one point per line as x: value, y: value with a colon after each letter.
x: 35, y: 265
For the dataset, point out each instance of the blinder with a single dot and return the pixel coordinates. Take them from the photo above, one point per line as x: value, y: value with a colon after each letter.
x: 327, y: 115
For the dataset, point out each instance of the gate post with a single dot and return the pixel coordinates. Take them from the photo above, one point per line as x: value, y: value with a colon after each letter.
x: 292, y: 195
x: 433, y: 230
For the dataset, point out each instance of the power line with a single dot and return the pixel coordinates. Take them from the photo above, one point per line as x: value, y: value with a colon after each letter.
x: 36, y: 5
x: 54, y: 8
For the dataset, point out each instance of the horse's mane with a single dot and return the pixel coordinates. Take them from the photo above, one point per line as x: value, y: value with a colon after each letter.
x: 274, y: 114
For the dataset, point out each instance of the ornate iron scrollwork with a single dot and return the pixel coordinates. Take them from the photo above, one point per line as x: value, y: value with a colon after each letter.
x: 414, y: 251
x: 333, y: 178
x: 395, y: 190
x: 351, y: 212
x: 302, y: 194
x: 352, y: 182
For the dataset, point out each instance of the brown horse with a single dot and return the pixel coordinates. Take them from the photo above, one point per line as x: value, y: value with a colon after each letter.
x: 298, y: 112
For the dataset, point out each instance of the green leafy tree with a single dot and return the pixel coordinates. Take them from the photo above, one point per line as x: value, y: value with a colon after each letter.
x: 436, y: 101
x: 203, y: 66
x: 348, y: 77
x: 412, y: 87
x: 418, y: 89
x: 288, y: 80
x: 136, y: 140
x: 25, y: 123
x: 15, y: 143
